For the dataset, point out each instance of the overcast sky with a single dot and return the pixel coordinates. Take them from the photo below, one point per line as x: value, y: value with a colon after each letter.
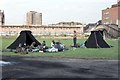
x: 54, y: 11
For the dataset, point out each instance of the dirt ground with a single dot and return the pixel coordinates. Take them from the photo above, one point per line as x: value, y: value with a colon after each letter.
x: 46, y: 67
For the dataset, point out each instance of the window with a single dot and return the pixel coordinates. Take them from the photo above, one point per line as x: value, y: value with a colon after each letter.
x: 107, y: 17
x: 107, y: 13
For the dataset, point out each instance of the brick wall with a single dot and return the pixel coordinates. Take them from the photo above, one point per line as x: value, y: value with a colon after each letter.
x: 12, y: 29
x: 110, y: 15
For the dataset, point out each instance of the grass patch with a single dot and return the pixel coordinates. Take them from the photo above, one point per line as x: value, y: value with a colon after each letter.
x: 87, y: 53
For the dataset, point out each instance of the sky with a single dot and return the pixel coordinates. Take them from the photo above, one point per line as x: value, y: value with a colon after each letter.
x: 54, y: 11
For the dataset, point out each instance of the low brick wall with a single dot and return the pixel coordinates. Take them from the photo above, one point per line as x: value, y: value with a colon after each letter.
x: 40, y: 30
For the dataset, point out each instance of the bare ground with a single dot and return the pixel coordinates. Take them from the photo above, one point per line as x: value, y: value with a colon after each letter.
x: 46, y: 67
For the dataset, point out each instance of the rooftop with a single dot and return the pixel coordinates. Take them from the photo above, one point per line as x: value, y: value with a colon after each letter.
x: 116, y: 5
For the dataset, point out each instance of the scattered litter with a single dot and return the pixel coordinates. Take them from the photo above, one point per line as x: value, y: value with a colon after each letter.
x: 4, y: 63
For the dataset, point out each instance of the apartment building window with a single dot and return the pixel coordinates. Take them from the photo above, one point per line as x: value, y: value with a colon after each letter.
x: 107, y: 17
x: 107, y: 22
x: 106, y: 13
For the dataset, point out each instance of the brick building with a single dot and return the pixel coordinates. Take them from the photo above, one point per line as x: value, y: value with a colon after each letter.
x: 111, y: 15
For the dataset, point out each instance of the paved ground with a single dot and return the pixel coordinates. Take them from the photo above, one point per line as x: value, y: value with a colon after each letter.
x: 24, y: 67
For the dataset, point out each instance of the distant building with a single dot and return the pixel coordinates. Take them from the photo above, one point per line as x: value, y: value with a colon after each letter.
x: 68, y: 24
x: 110, y: 15
x: 34, y: 18
x: 2, y: 18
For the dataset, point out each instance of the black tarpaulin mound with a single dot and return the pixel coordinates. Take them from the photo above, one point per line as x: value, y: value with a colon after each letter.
x: 25, y: 37
x: 96, y: 40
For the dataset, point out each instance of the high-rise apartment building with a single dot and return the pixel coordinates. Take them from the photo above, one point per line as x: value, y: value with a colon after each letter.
x: 111, y: 15
x: 34, y: 18
x: 2, y: 18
